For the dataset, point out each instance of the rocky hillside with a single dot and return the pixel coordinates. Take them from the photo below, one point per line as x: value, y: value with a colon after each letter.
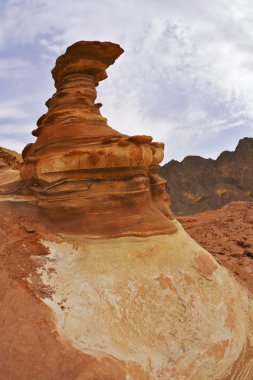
x: 10, y: 163
x: 197, y: 184
x: 227, y: 233
x: 10, y: 158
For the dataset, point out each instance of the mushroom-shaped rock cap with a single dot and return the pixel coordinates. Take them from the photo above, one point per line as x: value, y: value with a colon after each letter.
x: 86, y: 57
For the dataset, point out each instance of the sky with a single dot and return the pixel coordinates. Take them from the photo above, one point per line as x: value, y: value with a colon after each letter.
x: 186, y: 77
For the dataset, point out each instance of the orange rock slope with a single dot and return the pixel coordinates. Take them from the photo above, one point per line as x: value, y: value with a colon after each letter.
x: 78, y: 161
x: 10, y: 161
x: 227, y: 233
x: 99, y: 282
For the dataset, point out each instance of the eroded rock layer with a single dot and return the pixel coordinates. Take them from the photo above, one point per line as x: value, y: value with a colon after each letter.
x: 79, y: 164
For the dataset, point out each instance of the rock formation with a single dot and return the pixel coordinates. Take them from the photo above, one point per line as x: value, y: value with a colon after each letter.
x: 78, y: 161
x: 197, y: 184
x: 108, y: 285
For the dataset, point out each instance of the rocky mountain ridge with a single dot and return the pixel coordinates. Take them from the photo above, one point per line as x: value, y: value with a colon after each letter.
x: 197, y: 184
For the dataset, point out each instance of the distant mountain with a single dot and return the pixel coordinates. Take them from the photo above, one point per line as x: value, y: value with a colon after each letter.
x: 198, y: 184
x: 10, y: 163
x: 10, y: 158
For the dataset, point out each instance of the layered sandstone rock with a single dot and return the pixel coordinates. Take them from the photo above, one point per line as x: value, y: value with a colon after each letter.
x: 78, y: 162
x: 112, y: 302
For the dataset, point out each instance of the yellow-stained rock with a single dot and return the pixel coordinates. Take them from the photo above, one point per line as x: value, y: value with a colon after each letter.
x: 162, y: 302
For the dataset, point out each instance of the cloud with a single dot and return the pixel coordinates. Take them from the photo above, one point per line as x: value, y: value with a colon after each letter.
x: 12, y: 143
x: 185, y: 77
x: 16, y: 129
x: 15, y: 67
x: 11, y: 111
